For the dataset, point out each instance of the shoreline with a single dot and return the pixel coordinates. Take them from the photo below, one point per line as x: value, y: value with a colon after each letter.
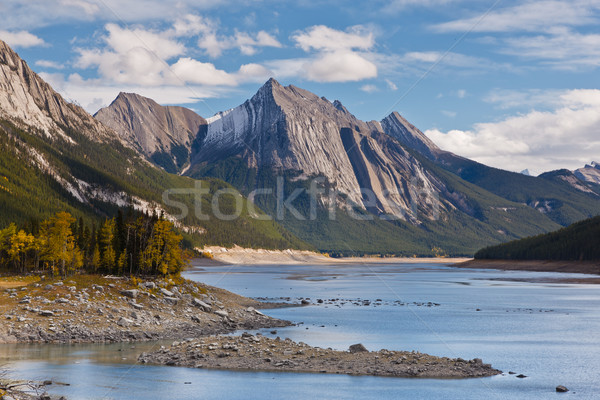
x: 258, y: 353
x: 96, y: 309
x: 105, y: 309
x: 245, y: 256
x: 591, y: 268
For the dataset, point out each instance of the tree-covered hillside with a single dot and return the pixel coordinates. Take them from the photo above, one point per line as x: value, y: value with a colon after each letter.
x: 577, y: 242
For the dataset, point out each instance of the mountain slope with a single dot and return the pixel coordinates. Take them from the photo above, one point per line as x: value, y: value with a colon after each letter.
x: 563, y: 200
x: 286, y: 140
x: 577, y: 242
x: 57, y: 157
x: 163, y: 134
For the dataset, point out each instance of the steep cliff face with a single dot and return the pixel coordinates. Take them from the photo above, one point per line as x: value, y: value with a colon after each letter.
x: 590, y: 173
x: 396, y: 126
x: 164, y: 134
x: 288, y: 128
x: 28, y: 101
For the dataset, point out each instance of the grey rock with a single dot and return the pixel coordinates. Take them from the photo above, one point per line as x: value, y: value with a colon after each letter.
x: 561, y: 389
x: 132, y: 293
x: 166, y: 292
x: 171, y: 300
x: 46, y: 313
x: 124, y: 322
x: 222, y: 313
x: 199, y: 303
x: 357, y: 348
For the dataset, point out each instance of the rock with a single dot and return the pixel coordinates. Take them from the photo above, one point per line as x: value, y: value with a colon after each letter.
x: 124, y: 322
x: 199, y: 303
x: 305, y: 302
x: 48, y: 287
x: 46, y: 313
x: 149, y: 285
x: 222, y: 313
x: 357, y: 348
x: 132, y: 293
x: 47, y: 383
x: 521, y: 376
x: 561, y: 389
x: 166, y: 292
x: 171, y: 300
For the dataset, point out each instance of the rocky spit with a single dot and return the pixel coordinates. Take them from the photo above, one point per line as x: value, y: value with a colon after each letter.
x: 256, y: 352
x: 96, y: 309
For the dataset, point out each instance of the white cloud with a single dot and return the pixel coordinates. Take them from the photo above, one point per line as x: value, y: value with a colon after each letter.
x: 528, y: 16
x: 565, y: 137
x: 461, y: 93
x: 49, y: 64
x: 94, y: 94
x: 562, y: 48
x: 21, y: 39
x: 323, y: 38
x: 336, y: 56
x: 369, y: 88
x: 154, y: 58
x: 391, y: 85
x: 339, y: 66
x: 450, y: 114
x: 196, y: 72
x: 40, y: 13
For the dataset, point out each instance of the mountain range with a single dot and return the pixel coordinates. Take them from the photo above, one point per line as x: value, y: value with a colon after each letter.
x: 351, y: 186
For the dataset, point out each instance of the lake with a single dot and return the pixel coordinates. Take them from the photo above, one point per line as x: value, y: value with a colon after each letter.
x: 546, y: 331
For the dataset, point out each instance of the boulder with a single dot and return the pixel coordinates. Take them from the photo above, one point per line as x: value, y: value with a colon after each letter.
x: 124, y: 322
x: 561, y: 389
x: 149, y: 285
x: 222, y: 313
x: 199, y: 303
x: 46, y: 313
x: 132, y: 293
x: 166, y: 292
x: 171, y: 300
x: 357, y: 348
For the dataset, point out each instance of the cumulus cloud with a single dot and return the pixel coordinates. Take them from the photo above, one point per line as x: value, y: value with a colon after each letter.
x: 21, y: 39
x: 564, y: 137
x: 93, y: 94
x: 336, y: 56
x: 154, y: 58
x: 323, y: 38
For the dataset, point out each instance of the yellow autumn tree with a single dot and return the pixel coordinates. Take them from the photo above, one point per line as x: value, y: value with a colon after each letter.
x: 163, y: 254
x: 57, y: 244
x: 108, y: 256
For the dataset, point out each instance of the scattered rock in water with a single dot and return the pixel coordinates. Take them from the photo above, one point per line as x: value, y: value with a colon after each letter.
x: 561, y: 389
x: 357, y: 348
x: 521, y: 376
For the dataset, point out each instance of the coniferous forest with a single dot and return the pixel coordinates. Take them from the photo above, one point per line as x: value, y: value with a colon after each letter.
x: 131, y: 243
x: 577, y: 242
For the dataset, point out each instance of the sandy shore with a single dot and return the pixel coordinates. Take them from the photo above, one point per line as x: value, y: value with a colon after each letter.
x: 249, y: 352
x: 239, y: 255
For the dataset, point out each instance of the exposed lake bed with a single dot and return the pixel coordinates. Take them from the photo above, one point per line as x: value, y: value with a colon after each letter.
x: 538, y: 330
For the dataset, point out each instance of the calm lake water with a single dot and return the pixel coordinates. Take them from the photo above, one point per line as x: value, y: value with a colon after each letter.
x: 547, y: 331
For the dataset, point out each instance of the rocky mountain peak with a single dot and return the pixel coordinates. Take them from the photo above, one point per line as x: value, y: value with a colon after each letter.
x: 164, y: 134
x: 28, y: 101
x: 407, y: 134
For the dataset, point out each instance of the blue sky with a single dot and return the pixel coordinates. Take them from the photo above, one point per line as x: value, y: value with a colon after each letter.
x: 513, y: 84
